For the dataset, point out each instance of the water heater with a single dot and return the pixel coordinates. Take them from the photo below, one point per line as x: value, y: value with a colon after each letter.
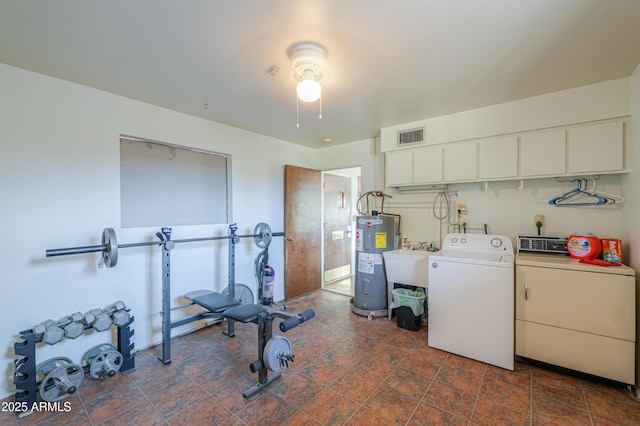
x: 374, y: 235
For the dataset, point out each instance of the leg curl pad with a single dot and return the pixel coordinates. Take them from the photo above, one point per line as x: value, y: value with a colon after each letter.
x: 295, y: 321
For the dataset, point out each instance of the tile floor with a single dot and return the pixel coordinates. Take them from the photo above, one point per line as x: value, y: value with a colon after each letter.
x: 341, y: 286
x: 347, y: 370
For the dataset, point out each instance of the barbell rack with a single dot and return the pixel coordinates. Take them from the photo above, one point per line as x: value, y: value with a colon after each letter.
x: 262, y: 237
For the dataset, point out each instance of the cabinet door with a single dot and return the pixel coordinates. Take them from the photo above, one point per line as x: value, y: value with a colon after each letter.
x: 399, y: 167
x: 596, y: 148
x: 427, y: 164
x: 589, y: 302
x: 543, y: 153
x: 498, y: 157
x: 598, y: 355
x: 460, y: 161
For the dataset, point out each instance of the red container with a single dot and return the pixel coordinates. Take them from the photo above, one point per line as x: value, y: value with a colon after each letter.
x: 611, y: 250
x: 584, y: 246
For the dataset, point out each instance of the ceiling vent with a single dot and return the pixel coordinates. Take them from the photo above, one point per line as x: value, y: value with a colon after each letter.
x: 411, y: 137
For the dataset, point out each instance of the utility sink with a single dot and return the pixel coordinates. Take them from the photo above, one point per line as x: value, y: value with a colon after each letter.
x: 409, y: 267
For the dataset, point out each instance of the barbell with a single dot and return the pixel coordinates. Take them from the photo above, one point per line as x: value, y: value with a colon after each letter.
x: 262, y: 236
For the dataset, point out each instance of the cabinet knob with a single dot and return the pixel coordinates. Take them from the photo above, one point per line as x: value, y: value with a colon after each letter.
x: 526, y: 292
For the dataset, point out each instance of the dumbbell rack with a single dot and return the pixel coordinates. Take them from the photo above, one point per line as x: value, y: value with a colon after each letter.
x: 25, y: 377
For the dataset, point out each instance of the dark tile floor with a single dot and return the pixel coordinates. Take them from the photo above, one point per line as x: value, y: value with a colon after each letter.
x: 347, y: 370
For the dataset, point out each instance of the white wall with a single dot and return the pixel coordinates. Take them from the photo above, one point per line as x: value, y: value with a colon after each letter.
x: 598, y: 101
x: 59, y: 183
x: 631, y: 185
x: 363, y: 153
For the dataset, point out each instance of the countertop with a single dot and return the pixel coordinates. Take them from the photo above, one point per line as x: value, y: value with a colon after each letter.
x: 568, y: 262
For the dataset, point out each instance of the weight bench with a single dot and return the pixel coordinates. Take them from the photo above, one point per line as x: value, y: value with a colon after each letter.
x: 274, y: 352
x: 215, y: 303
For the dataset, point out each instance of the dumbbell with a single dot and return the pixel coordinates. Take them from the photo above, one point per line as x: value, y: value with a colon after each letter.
x: 48, y: 332
x: 118, y: 313
x: 40, y: 328
x: 97, y: 319
x: 117, y: 306
x: 72, y: 324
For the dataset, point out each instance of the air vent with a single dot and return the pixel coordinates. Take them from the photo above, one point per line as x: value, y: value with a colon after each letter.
x: 411, y: 137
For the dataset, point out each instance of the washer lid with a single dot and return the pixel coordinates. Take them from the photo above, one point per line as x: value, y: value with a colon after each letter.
x: 481, y: 258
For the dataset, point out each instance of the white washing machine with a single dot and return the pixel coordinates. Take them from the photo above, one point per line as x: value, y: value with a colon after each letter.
x: 471, y: 298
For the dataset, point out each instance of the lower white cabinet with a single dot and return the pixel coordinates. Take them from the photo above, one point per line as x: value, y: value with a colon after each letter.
x: 581, y: 320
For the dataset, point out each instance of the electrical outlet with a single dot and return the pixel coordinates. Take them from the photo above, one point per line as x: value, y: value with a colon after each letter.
x: 462, y: 208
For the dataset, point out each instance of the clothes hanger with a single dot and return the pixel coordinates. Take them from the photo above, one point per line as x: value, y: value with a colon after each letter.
x: 579, y: 197
x: 611, y: 198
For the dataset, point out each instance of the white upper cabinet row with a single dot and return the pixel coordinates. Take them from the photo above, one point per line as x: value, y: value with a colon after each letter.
x: 580, y: 150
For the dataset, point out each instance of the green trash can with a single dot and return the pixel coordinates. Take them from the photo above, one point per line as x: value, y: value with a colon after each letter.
x: 409, y: 306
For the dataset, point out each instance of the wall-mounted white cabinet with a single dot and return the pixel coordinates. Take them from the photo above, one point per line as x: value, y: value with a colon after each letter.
x: 460, y: 161
x: 498, y: 157
x: 414, y: 166
x: 596, y: 148
x: 543, y: 153
x: 427, y: 164
x: 399, y: 167
x: 580, y: 150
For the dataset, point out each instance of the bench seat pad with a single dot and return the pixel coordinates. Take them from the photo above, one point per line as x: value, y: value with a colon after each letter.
x: 244, y: 313
x: 215, y: 302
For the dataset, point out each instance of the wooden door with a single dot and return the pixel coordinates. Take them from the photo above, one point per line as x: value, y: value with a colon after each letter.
x: 337, y: 227
x: 303, y: 231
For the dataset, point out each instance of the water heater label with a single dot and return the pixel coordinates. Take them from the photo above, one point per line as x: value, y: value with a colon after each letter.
x: 381, y: 240
x: 358, y: 239
x: 366, y: 263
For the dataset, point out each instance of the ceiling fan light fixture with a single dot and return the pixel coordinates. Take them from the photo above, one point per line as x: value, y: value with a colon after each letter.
x: 309, y: 90
x: 307, y: 62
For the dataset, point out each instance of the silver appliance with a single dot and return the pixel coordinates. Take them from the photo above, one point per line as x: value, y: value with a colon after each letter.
x: 374, y: 235
x: 542, y: 245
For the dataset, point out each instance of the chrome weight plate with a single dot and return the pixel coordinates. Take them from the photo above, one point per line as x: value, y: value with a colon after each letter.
x: 107, y: 364
x: 243, y: 294
x: 46, y: 366
x: 274, y: 351
x: 95, y: 351
x: 262, y: 235
x: 110, y: 254
x: 61, y: 382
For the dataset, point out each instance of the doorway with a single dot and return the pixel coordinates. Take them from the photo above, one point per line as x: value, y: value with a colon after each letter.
x: 341, y: 189
x: 303, y: 231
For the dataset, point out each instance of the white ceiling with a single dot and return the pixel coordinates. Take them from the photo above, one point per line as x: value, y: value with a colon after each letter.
x: 389, y: 62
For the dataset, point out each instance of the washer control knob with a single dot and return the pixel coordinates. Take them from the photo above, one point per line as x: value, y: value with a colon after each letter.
x: 496, y: 242
x: 454, y: 240
x: 463, y: 240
